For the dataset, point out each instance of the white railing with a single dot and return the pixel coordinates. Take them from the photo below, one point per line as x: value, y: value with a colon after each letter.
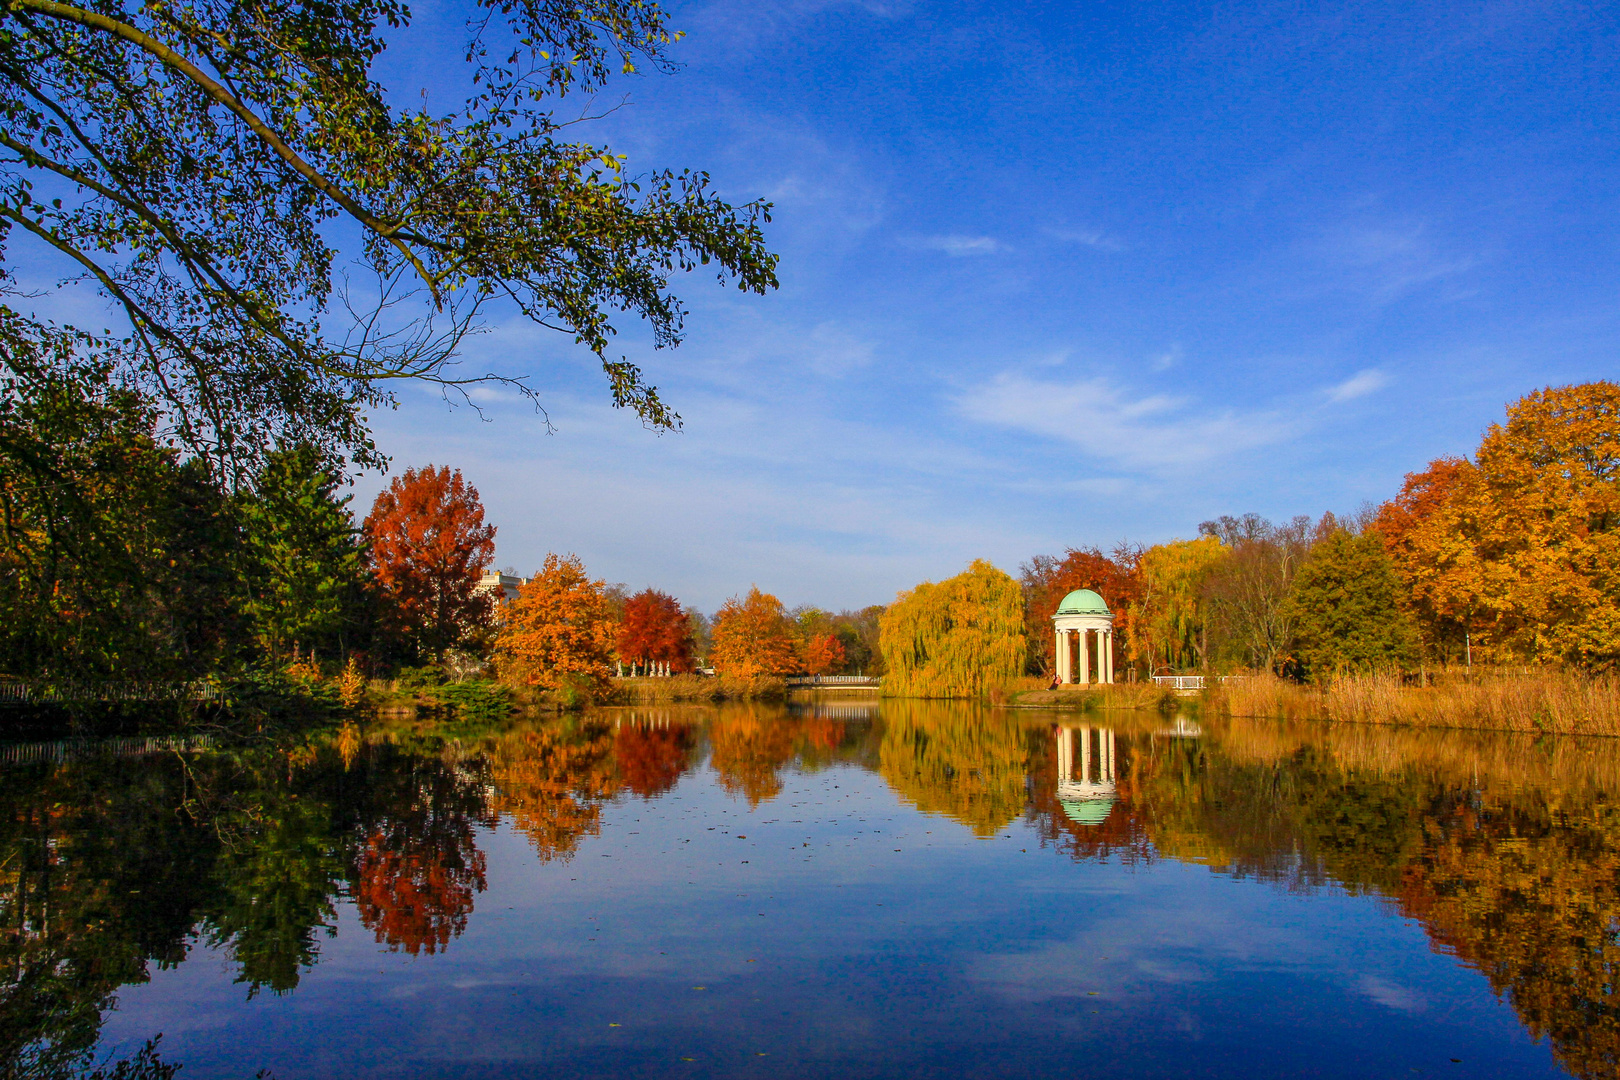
x: 1187, y: 684
x: 29, y: 693
x: 834, y: 680
x: 68, y: 749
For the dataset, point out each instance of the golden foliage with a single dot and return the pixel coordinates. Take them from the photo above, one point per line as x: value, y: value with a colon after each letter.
x: 753, y: 637
x: 560, y: 630
x: 958, y: 761
x: 954, y: 639
x: 750, y: 749
x: 1556, y: 702
x: 1168, y: 620
x: 352, y: 685
x: 1522, y: 548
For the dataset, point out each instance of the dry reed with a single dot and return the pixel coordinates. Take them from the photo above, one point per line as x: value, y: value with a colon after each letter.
x: 1453, y: 756
x: 674, y: 688
x: 1540, y: 702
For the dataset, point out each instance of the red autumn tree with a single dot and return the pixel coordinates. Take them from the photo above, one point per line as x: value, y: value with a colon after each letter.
x: 652, y: 759
x: 417, y: 900
x: 1047, y: 580
x: 429, y: 547
x: 655, y: 631
x: 823, y: 654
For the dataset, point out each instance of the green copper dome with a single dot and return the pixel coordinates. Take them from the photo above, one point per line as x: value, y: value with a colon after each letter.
x: 1082, y: 602
x: 1088, y: 812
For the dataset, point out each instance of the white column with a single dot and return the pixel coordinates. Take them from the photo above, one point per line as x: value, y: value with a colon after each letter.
x: 1065, y: 749
x: 1060, y: 657
x: 1085, y: 658
x: 1085, y: 753
x: 1105, y: 643
x: 1106, y: 752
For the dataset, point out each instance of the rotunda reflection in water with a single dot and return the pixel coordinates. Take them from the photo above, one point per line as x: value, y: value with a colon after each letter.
x: 1085, y: 773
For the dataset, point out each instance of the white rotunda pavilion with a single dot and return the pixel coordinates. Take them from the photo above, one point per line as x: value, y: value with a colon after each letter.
x: 1082, y: 614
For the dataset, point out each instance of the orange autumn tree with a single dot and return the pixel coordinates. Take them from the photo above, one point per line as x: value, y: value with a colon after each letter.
x: 1521, y: 548
x: 655, y: 631
x: 823, y: 654
x: 1429, y: 530
x: 753, y: 637
x: 559, y: 632
x: 429, y: 546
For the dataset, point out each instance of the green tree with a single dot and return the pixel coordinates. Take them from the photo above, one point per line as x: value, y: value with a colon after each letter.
x: 117, y: 556
x: 197, y: 162
x: 305, y: 563
x: 1346, y: 608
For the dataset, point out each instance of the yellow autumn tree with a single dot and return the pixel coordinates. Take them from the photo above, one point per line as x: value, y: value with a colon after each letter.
x: 954, y: 639
x: 1167, y: 618
x: 1521, y: 548
x: 560, y: 630
x: 753, y: 637
x: 1551, y: 476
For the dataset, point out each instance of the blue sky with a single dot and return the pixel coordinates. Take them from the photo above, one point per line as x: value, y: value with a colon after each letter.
x: 1062, y: 275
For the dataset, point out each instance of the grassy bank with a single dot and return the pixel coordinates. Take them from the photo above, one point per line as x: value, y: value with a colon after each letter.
x: 1034, y: 694
x: 1538, y: 702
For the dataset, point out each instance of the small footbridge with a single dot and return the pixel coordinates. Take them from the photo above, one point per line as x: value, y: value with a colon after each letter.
x: 1189, y: 685
x: 833, y: 682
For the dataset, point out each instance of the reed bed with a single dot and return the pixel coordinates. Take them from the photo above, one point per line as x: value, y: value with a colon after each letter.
x: 1537, y: 702
x: 676, y: 688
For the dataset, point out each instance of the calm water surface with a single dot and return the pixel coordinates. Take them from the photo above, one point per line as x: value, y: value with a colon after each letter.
x: 830, y: 889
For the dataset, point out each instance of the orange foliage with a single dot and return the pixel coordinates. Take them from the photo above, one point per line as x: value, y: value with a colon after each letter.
x: 1522, y: 548
x: 1048, y: 580
x: 1429, y: 533
x: 655, y: 630
x: 652, y: 759
x: 754, y: 637
x: 823, y: 654
x: 824, y: 734
x: 560, y: 629
x: 552, y: 784
x: 416, y: 901
x: 429, y: 546
x: 750, y: 749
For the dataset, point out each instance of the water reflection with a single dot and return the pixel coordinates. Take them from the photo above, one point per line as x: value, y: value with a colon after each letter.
x: 117, y: 864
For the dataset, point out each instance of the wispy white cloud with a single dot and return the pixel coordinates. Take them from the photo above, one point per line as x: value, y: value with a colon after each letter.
x: 1155, y: 433
x: 1358, y: 385
x: 1090, y: 238
x: 957, y: 245
x: 1388, y: 259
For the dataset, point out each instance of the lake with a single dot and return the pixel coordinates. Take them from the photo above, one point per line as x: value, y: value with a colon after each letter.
x: 831, y: 888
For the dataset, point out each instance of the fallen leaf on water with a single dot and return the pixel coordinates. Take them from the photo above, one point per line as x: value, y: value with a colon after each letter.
x: 700, y: 987
x: 614, y: 1025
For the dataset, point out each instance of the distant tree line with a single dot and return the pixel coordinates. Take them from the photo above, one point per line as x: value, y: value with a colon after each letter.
x: 1511, y: 557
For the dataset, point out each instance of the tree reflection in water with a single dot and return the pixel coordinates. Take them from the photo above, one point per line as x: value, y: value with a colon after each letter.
x: 1505, y: 850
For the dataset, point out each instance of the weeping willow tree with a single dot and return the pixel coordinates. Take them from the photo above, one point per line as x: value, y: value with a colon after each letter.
x: 956, y: 638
